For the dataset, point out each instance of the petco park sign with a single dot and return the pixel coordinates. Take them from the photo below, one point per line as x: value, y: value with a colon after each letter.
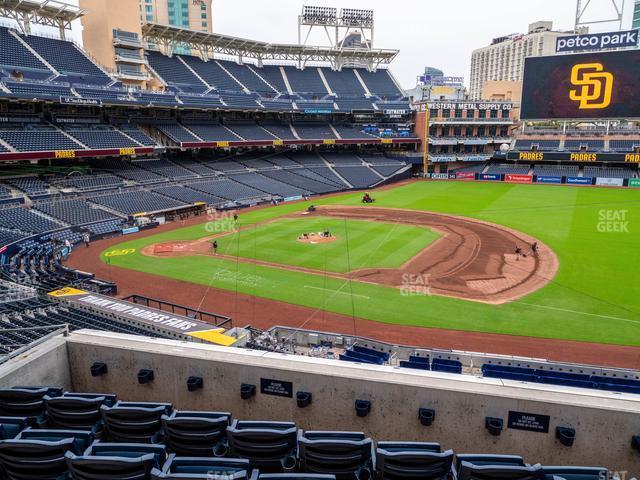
x: 597, y: 41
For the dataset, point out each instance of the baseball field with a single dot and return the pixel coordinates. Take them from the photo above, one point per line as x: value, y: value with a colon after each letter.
x: 431, y: 254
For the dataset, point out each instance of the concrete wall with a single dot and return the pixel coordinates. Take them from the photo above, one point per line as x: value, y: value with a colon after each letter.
x: 47, y: 364
x: 605, y: 422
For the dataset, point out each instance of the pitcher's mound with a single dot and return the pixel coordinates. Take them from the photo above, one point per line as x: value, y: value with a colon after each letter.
x: 314, y: 238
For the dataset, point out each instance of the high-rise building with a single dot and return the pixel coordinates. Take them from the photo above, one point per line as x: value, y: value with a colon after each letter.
x: 112, y: 31
x: 636, y: 15
x: 191, y: 14
x: 503, y: 60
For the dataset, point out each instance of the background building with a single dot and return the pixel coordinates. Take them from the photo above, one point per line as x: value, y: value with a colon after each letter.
x: 434, y: 85
x: 115, y: 41
x: 636, y: 15
x: 191, y: 14
x: 503, y: 60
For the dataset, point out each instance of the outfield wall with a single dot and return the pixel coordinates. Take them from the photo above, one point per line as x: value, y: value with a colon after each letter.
x: 544, y: 179
x: 604, y: 422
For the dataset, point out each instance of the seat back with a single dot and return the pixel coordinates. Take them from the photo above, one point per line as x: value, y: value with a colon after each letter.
x: 491, y: 459
x: 22, y: 402
x: 196, y: 433
x: 344, y: 454
x: 576, y: 473
x: 267, y: 445
x: 73, y: 412
x: 89, y: 467
x: 33, y: 459
x: 295, y: 476
x: 203, y: 468
x: 469, y: 471
x: 395, y: 461
x: 132, y: 423
x: 108, y: 449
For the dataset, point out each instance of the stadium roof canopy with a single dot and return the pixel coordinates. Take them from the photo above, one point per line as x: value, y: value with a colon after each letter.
x: 209, y: 43
x: 51, y: 13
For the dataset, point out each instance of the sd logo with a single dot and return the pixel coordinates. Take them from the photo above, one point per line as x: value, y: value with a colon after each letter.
x: 596, y: 86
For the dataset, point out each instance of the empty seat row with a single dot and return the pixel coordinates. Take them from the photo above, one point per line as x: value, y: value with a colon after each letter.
x: 94, y: 436
x: 569, y: 379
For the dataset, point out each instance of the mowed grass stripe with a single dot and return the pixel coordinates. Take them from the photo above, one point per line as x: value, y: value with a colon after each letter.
x: 594, y: 297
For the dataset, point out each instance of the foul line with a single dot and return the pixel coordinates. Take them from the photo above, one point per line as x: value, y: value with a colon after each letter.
x: 337, y: 291
x: 578, y: 312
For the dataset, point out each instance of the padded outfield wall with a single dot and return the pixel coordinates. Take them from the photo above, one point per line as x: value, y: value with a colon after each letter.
x: 604, y: 422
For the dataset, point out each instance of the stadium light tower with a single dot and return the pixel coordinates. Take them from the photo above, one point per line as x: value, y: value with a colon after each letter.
x: 337, y: 25
x: 585, y: 7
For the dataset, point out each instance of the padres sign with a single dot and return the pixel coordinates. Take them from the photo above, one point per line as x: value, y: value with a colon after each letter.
x: 599, y: 85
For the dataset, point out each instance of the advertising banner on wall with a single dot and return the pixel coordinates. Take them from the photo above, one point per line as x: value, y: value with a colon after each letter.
x: 490, y: 176
x: 634, y: 182
x: 465, y: 176
x: 518, y: 178
x: 579, y: 180
x: 548, y: 179
x: 610, y: 182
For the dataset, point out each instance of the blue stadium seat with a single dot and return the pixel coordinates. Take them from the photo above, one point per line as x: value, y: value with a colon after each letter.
x: 85, y: 467
x: 23, y: 402
x: 14, y: 54
x: 469, y: 471
x: 294, y: 476
x: 575, y: 473
x: 442, y: 365
x: 203, y: 468
x: 175, y: 73
x: 76, y: 412
x: 400, y: 460
x: 269, y: 446
x: 136, y: 422
x: 347, y: 455
x: 564, y: 378
x: 39, y: 454
x: 370, y: 351
x: 193, y: 434
x: 511, y: 373
x: 68, y: 59
x: 351, y: 356
x: 106, y: 461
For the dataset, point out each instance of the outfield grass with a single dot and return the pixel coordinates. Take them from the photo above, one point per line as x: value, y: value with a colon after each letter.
x: 595, y: 295
x: 358, y: 244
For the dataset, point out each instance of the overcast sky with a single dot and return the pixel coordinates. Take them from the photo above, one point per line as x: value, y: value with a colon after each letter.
x: 440, y: 34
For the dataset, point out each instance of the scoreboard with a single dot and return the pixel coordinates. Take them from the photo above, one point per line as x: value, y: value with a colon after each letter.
x: 599, y: 85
